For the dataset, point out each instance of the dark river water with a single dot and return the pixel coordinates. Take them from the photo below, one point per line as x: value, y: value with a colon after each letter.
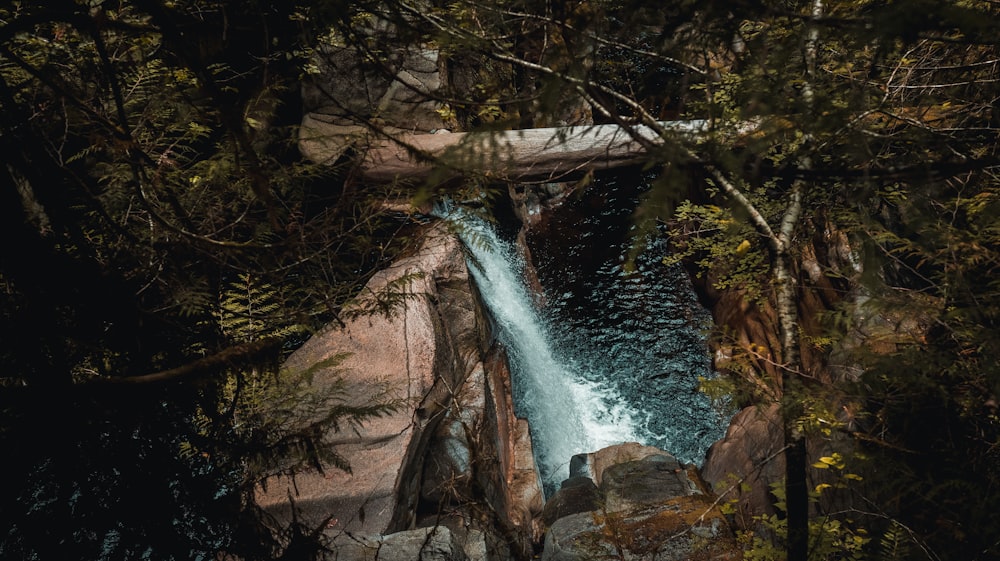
x: 626, y: 320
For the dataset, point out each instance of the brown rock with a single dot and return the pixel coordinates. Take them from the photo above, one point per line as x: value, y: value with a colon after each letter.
x: 455, y: 447
x: 646, y: 508
x: 577, y: 494
x: 394, y: 356
x: 593, y: 464
x: 649, y: 481
x: 681, y: 529
x: 423, y: 544
x: 522, y: 488
x: 744, y: 464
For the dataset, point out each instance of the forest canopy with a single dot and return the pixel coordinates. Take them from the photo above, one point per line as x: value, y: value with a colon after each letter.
x: 166, y: 247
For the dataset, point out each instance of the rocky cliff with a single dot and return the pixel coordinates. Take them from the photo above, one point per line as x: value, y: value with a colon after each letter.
x: 454, y: 456
x: 745, y: 464
x: 451, y: 475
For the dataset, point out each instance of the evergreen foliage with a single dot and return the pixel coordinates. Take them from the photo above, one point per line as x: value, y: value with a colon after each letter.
x: 166, y: 247
x: 156, y: 215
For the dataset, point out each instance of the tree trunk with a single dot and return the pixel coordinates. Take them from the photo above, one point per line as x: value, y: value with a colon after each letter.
x: 544, y: 155
x: 796, y: 489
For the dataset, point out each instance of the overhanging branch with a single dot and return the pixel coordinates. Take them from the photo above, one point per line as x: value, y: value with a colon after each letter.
x: 233, y: 356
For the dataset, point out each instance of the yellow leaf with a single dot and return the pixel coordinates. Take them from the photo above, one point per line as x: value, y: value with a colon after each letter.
x: 835, y: 461
x: 743, y: 247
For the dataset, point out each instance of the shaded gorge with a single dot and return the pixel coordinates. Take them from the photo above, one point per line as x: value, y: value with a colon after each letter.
x: 611, y: 346
x: 627, y: 319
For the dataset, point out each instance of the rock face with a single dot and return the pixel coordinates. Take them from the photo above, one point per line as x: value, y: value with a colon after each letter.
x: 346, y: 90
x: 634, y: 502
x: 456, y: 442
x: 744, y: 464
x: 748, y: 460
x: 424, y: 544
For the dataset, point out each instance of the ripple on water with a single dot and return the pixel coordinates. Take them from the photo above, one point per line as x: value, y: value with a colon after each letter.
x: 639, y: 329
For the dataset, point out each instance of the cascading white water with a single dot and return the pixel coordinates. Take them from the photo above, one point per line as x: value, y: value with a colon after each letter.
x: 567, y: 414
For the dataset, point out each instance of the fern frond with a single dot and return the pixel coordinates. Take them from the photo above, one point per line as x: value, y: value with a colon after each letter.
x: 894, y: 544
x: 249, y: 310
x: 387, y: 301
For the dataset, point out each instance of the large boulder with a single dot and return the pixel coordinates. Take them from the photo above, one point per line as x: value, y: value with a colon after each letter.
x: 454, y: 442
x: 652, y: 480
x: 682, y: 529
x: 399, y: 354
x: 593, y: 464
x: 577, y: 494
x: 744, y: 466
x: 634, y: 502
x: 748, y: 460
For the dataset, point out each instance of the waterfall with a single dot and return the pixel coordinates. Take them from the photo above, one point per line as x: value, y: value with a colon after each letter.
x: 567, y: 413
x: 618, y: 351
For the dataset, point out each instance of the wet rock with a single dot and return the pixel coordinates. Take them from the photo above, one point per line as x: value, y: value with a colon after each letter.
x: 646, y: 507
x: 577, y: 494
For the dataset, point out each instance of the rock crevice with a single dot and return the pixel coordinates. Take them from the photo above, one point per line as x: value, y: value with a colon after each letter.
x: 636, y: 503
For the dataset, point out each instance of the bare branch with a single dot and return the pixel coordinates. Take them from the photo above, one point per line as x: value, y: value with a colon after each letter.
x: 201, y: 367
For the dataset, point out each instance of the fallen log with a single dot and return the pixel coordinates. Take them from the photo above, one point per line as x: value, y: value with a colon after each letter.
x: 545, y: 154
x: 525, y: 155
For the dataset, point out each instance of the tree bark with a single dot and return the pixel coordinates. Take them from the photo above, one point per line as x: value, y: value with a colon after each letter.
x: 796, y: 488
x: 796, y: 461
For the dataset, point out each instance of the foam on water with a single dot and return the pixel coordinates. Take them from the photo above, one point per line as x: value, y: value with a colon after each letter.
x: 632, y: 320
x: 567, y: 412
